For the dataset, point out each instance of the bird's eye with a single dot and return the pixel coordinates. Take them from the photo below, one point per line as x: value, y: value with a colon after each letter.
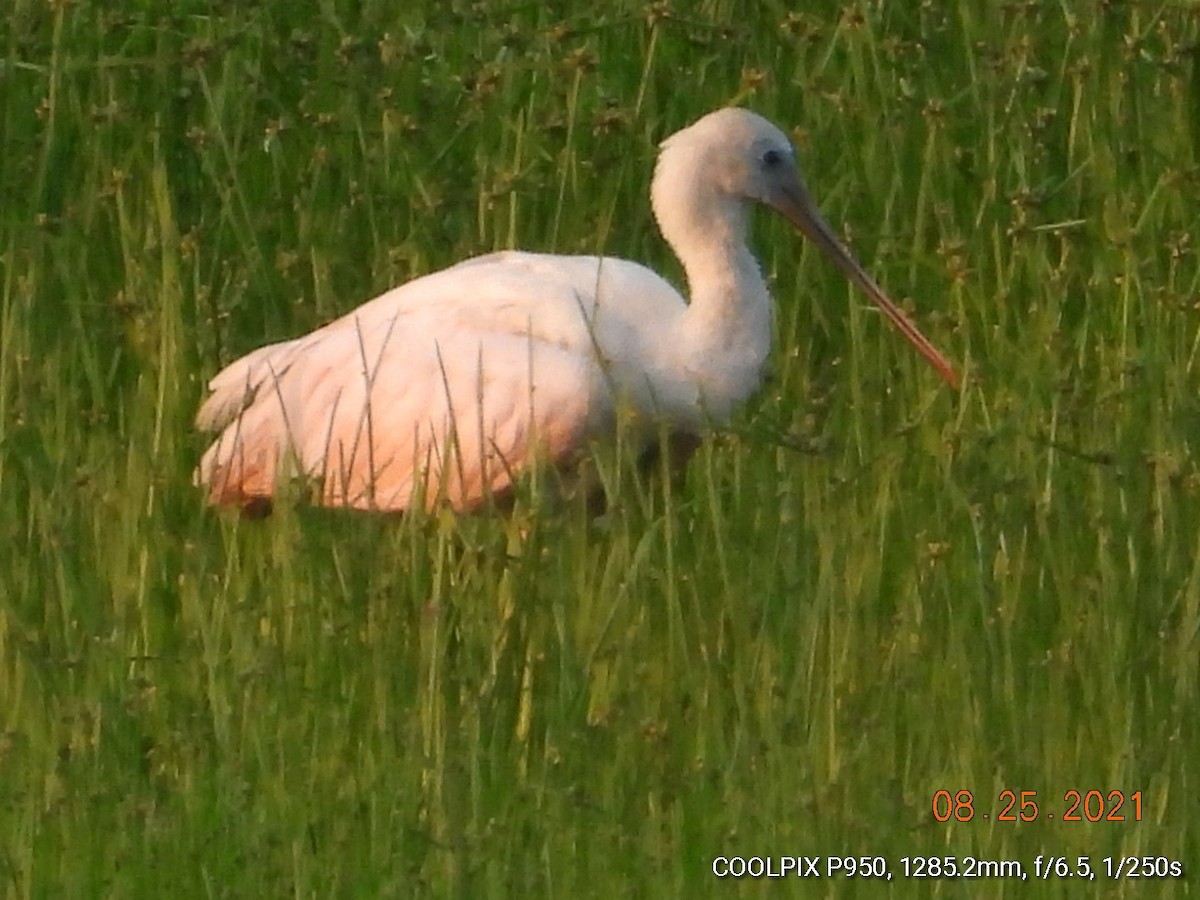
x: 772, y: 158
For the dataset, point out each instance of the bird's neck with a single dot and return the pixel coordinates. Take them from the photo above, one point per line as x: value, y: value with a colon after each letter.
x: 727, y: 327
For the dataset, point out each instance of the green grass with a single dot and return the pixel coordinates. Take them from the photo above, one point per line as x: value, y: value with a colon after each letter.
x: 868, y: 590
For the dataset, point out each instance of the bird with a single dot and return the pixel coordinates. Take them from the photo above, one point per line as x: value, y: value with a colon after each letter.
x: 445, y: 389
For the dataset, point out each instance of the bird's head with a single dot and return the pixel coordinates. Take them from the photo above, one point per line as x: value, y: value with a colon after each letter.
x: 733, y: 155
x: 711, y: 171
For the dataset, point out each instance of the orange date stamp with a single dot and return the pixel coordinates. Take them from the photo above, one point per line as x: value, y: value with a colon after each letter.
x: 1024, y: 806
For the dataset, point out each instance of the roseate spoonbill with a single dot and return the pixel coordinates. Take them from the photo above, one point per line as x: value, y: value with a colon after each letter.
x: 446, y: 388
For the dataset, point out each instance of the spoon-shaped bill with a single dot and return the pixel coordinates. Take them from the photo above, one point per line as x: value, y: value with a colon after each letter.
x: 795, y: 203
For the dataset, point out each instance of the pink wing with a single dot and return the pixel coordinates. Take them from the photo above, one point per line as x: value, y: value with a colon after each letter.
x: 385, y: 421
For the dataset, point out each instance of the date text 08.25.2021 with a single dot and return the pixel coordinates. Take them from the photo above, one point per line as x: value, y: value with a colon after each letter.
x: 1023, y: 806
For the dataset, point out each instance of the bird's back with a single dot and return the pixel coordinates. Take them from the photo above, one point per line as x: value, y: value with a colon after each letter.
x: 447, y: 386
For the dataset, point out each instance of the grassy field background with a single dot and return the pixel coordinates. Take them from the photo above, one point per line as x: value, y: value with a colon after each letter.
x: 868, y: 590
